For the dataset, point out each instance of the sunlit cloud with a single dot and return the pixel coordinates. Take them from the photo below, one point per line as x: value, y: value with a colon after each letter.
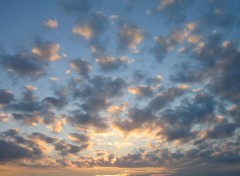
x: 51, y: 23
x: 145, y: 88
x: 84, y: 31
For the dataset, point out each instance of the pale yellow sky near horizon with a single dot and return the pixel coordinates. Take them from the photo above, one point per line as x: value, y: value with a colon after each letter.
x: 98, y: 171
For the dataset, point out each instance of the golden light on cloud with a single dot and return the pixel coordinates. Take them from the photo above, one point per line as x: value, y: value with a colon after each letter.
x: 183, y: 86
x: 134, y: 90
x: 4, y: 117
x: 57, y: 125
x: 194, y: 39
x: 120, y: 108
x: 31, y: 87
x: 84, y: 31
x: 51, y: 23
x: 48, y: 52
x: 191, y: 26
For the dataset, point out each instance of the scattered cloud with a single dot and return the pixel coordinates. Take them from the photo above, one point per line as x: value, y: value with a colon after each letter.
x: 51, y: 23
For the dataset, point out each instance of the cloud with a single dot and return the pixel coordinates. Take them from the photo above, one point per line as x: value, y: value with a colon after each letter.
x: 83, y: 31
x: 222, y: 130
x: 30, y: 87
x: 4, y: 117
x: 47, y: 51
x: 51, y: 23
x: 163, y: 45
x: 77, y: 6
x: 141, y: 91
x: 6, y: 96
x: 174, y: 10
x: 91, y: 27
x: 129, y: 36
x: 65, y: 148
x: 164, y: 98
x: 11, y: 151
x: 22, y: 64
x: 78, y: 138
x: 110, y: 63
x: 96, y: 97
x: 81, y: 66
x: 57, y: 125
x: 137, y: 118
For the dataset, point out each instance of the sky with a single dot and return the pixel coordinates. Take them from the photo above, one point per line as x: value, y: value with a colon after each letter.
x: 120, y: 87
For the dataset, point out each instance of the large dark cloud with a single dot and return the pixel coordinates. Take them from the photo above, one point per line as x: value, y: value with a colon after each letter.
x: 96, y: 95
x: 11, y: 151
x: 22, y: 64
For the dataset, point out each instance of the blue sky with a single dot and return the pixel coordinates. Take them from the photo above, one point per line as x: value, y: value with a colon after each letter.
x: 130, y: 87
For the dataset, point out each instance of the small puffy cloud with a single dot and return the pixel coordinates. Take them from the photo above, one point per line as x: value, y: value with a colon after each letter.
x: 191, y: 26
x: 194, y: 39
x: 91, y: 28
x: 115, y: 108
x: 129, y: 36
x: 165, y: 3
x: 4, y: 117
x: 110, y: 63
x: 51, y: 23
x: 78, y: 138
x: 30, y: 87
x: 83, y: 31
x: 183, y: 86
x: 81, y: 66
x: 53, y: 78
x: 57, y: 125
x: 141, y: 90
x: 47, y: 51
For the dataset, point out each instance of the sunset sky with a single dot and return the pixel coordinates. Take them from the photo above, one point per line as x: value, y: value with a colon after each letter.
x: 119, y: 87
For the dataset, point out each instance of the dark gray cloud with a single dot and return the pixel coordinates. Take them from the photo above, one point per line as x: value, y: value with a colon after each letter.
x: 164, y: 98
x: 137, y: 119
x: 186, y: 73
x: 81, y: 66
x: 22, y: 64
x: 78, y: 138
x: 222, y: 130
x: 77, y: 7
x: 96, y: 96
x: 6, y: 96
x: 65, y: 148
x: 174, y: 11
x: 10, y: 151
